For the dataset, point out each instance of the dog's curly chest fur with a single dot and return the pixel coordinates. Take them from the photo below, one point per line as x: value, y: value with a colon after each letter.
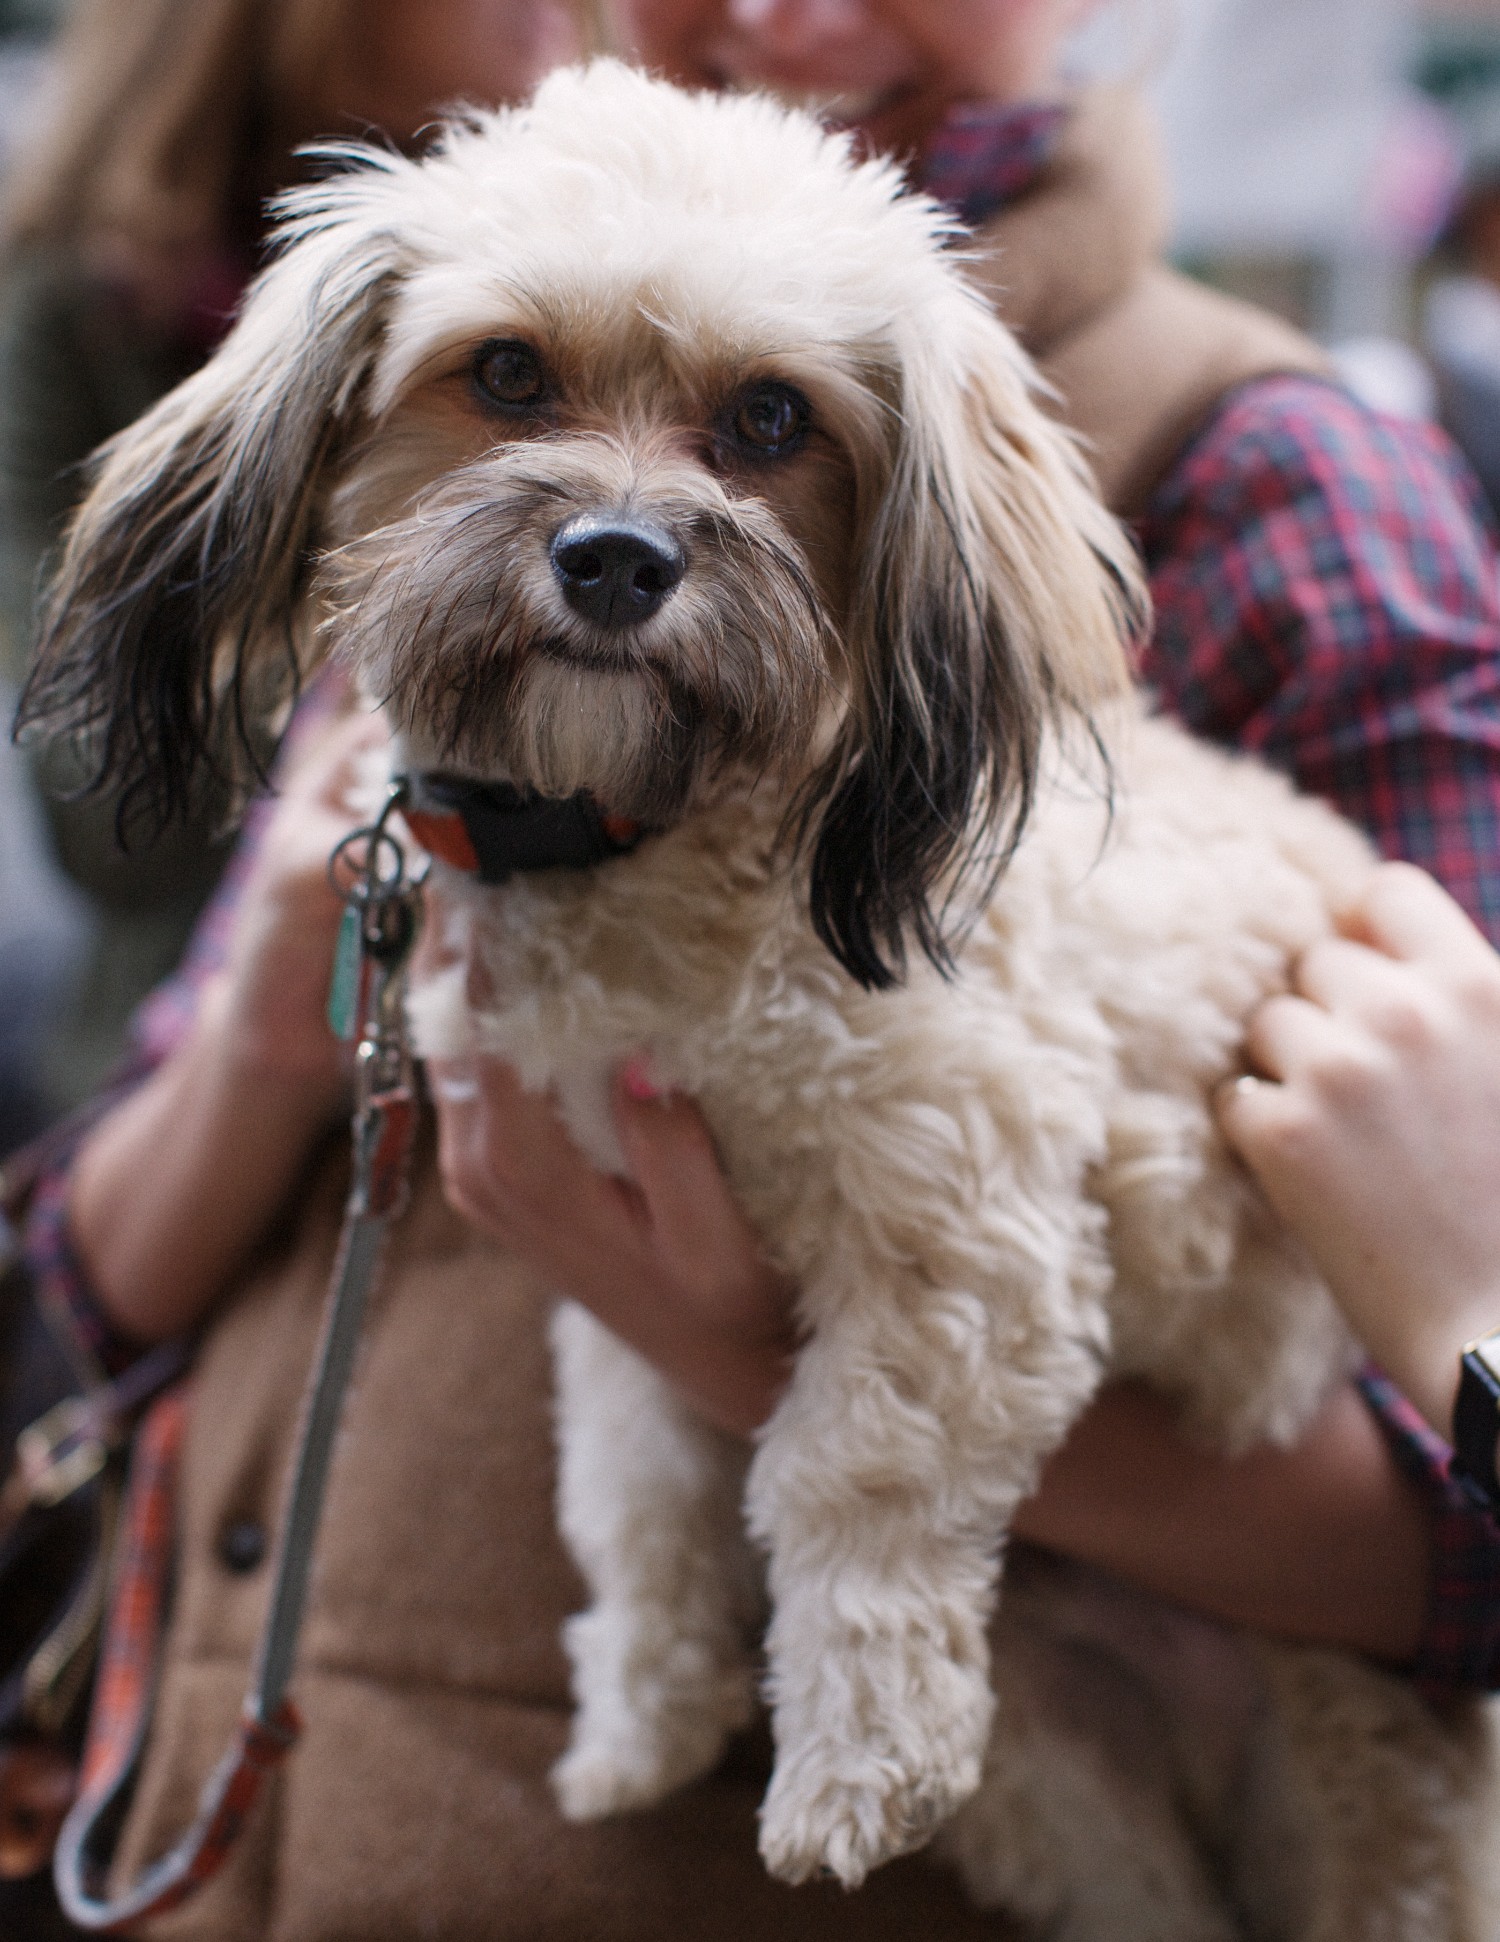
x: 1098, y: 999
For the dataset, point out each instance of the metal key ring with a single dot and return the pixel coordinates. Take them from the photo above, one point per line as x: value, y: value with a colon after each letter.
x: 367, y: 881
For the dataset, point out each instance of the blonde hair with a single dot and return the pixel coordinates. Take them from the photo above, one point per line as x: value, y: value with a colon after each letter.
x: 167, y: 117
x: 157, y: 117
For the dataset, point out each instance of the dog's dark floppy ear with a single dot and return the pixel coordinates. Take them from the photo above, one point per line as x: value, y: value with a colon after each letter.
x: 996, y: 596
x: 166, y: 632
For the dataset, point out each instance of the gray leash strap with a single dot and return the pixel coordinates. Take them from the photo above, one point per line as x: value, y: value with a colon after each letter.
x: 380, y: 922
x: 354, y: 1273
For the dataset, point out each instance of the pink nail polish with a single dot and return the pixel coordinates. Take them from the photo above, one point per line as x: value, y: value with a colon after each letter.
x: 635, y: 1077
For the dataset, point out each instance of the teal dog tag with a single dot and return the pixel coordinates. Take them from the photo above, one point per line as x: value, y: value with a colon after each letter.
x: 343, y: 992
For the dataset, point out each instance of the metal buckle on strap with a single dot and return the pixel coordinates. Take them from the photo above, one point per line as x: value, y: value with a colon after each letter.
x: 56, y: 1456
x: 60, y: 1452
x: 64, y: 1450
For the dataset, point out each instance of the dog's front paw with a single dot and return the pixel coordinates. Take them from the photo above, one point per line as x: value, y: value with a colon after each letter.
x: 880, y: 1737
x: 843, y: 1810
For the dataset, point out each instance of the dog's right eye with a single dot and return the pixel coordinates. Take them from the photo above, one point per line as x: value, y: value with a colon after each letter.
x: 510, y: 374
x: 771, y: 420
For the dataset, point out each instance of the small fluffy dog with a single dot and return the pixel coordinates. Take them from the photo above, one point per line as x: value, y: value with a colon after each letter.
x: 646, y: 450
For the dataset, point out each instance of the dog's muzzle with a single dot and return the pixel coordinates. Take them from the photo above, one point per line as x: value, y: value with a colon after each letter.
x: 616, y: 572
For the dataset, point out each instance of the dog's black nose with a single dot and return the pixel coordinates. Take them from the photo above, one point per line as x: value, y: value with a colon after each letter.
x: 616, y: 573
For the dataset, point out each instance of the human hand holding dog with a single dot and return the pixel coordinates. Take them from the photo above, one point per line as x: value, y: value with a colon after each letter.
x: 1375, y: 1129
x: 666, y: 1259
x: 172, y: 1188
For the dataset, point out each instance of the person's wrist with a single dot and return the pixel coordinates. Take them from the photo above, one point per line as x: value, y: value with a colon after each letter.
x: 299, y: 1075
x: 1421, y: 1350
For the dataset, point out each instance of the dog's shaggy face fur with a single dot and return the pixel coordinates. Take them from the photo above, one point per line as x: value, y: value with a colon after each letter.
x: 610, y: 310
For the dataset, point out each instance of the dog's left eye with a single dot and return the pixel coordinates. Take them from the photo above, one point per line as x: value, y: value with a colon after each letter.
x: 771, y: 419
x: 510, y: 374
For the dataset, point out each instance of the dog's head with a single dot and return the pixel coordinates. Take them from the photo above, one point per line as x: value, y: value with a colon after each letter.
x: 630, y: 440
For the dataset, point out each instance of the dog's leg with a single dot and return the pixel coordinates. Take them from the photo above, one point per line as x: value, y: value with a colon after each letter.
x: 915, y: 1423
x: 650, y: 1506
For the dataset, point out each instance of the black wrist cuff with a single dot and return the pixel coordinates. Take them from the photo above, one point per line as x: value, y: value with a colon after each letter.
x: 1476, y: 1418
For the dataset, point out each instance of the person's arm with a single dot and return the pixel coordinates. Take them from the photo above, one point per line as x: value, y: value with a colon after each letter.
x: 1374, y: 1126
x: 1325, y: 1542
x: 176, y: 1185
x: 666, y: 1260
x: 1326, y: 597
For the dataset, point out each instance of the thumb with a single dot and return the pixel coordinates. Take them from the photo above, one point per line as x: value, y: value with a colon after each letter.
x: 672, y: 1159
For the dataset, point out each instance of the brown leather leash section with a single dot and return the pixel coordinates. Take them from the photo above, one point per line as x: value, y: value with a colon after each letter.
x: 369, y: 868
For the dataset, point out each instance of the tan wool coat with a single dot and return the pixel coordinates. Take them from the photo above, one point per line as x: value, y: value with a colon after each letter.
x: 431, y: 1678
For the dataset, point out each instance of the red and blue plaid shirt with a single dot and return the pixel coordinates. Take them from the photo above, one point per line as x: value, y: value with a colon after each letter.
x: 1327, y: 596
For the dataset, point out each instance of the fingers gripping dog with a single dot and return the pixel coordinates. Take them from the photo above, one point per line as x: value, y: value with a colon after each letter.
x: 645, y: 449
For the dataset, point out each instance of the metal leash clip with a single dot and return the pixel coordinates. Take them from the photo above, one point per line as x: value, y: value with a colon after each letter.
x: 365, y: 1001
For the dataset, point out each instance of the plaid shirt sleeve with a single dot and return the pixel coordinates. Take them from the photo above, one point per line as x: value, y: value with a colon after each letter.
x: 1460, y: 1646
x: 158, y: 1028
x: 1326, y: 595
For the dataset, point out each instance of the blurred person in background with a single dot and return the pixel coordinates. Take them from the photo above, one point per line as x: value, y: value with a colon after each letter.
x: 1461, y: 314
x: 1325, y: 598
x: 1459, y: 67
x: 42, y: 921
x: 128, y: 228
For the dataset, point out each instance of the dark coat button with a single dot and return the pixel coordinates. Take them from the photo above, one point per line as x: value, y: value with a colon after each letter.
x: 242, y: 1545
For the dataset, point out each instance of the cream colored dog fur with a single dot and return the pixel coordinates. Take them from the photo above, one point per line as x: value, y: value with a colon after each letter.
x: 965, y: 1105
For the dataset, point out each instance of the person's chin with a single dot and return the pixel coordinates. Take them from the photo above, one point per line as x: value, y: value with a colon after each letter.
x: 893, y: 118
x: 901, y: 121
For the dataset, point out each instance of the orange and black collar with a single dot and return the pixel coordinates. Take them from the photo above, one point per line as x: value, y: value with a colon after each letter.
x: 493, y: 829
